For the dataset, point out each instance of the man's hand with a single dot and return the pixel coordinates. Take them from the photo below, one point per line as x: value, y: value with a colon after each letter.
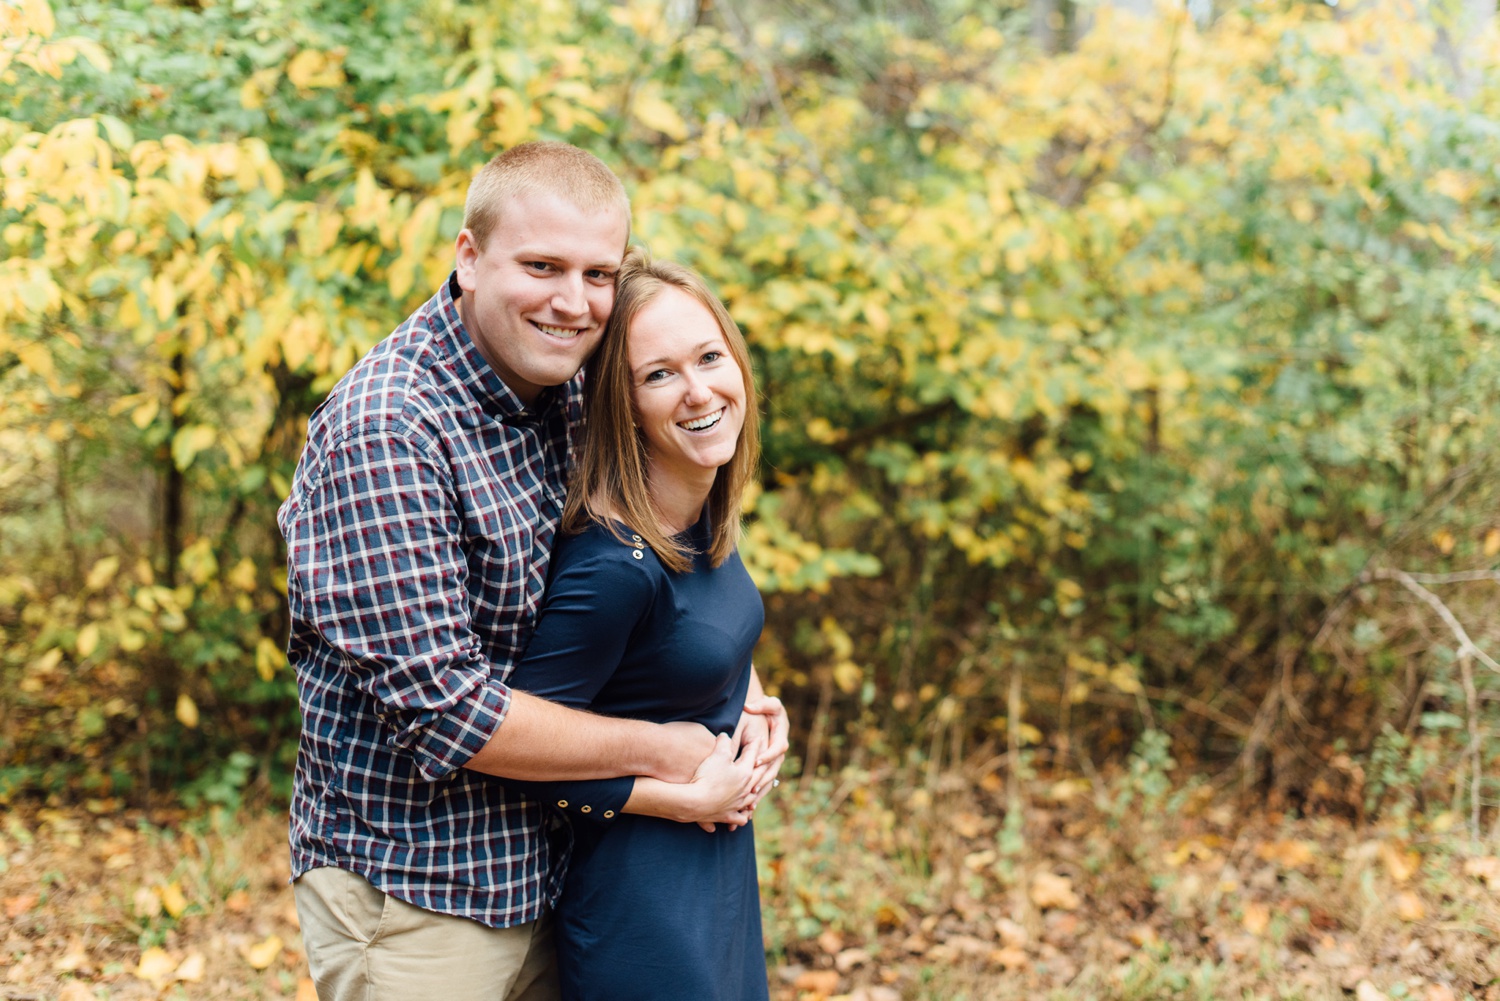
x: 681, y: 749
x: 762, y: 734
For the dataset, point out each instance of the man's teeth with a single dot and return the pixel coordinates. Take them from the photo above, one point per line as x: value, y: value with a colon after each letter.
x: 703, y: 423
x: 558, y: 331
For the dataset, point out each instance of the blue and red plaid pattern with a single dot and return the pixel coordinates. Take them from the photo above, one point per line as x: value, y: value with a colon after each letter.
x: 419, y: 530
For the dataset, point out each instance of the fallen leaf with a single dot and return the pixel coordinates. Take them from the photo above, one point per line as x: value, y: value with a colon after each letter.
x: 172, y: 899
x: 819, y: 982
x: 75, y: 990
x: 1439, y: 992
x: 1011, y: 934
x: 238, y: 902
x: 1400, y: 864
x: 849, y: 959
x: 1409, y: 906
x: 306, y: 990
x: 1366, y: 991
x: 191, y: 970
x: 831, y: 941
x: 16, y: 906
x: 1049, y: 890
x: 1010, y: 957
x: 263, y: 954
x: 877, y: 993
x: 1288, y: 854
x: 146, y: 903
x: 1257, y: 917
x: 968, y: 825
x: 73, y: 961
x: 889, y: 916
x: 1486, y: 868
x: 155, y: 966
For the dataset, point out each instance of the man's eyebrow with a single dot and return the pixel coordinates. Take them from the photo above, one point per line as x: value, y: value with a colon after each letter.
x: 657, y: 361
x: 524, y: 253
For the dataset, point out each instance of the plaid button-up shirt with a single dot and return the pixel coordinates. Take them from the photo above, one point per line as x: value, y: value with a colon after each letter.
x: 419, y: 530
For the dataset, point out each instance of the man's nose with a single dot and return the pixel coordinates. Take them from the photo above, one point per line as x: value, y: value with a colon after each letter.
x: 569, y: 297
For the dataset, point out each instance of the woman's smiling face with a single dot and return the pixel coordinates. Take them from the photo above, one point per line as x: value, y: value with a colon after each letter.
x: 689, y: 392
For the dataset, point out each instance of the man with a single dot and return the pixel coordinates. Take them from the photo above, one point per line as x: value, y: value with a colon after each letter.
x: 419, y: 529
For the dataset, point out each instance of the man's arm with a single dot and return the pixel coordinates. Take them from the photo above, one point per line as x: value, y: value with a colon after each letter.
x: 542, y: 741
x: 378, y: 569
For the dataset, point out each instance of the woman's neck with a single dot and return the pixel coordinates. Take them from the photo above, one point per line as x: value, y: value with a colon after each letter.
x: 679, y: 497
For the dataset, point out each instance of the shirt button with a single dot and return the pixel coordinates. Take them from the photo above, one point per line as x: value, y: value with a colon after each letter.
x: 563, y: 803
x: 608, y: 814
x: 637, y: 538
x: 637, y: 554
x: 586, y: 809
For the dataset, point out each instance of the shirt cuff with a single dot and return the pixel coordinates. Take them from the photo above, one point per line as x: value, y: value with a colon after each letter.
x: 445, y: 743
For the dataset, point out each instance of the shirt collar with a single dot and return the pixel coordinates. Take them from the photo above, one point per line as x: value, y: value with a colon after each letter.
x: 494, y: 396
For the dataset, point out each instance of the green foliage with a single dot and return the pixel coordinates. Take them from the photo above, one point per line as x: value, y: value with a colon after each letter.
x: 1118, y: 368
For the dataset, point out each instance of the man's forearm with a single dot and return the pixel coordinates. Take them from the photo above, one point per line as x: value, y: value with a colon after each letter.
x: 541, y: 741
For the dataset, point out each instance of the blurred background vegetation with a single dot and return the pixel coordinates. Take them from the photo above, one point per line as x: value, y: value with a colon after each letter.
x: 1131, y: 381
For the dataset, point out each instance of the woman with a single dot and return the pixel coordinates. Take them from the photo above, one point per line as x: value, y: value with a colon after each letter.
x: 650, y: 614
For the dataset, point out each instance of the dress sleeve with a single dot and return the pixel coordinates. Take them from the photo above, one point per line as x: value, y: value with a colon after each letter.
x: 595, y: 600
x: 377, y: 568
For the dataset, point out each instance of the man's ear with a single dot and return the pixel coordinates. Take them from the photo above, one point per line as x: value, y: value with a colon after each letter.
x: 466, y: 259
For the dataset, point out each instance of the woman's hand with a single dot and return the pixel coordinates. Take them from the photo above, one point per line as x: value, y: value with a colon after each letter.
x: 762, y: 734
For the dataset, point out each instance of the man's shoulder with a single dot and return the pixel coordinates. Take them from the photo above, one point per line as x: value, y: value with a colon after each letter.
x: 405, y: 382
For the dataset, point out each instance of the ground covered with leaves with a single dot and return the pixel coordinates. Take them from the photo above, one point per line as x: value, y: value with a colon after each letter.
x: 961, y: 888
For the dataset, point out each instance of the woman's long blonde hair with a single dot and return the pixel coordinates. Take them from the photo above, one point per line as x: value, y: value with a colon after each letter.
x: 611, y: 479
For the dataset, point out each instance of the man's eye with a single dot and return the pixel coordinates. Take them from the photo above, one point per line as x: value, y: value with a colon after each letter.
x: 538, y: 265
x: 595, y: 274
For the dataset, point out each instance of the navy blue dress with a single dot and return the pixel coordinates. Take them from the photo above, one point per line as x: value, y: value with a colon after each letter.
x: 651, y: 909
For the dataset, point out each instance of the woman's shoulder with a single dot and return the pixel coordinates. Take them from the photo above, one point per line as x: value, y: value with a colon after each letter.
x: 607, y: 543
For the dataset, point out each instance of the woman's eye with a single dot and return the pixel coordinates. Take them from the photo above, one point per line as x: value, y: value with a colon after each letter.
x: 712, y: 356
x: 658, y: 375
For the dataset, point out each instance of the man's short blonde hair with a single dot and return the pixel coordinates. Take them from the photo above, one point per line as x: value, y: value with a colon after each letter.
x: 551, y: 167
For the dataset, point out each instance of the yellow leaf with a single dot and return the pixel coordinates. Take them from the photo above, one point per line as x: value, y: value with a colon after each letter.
x: 268, y: 658
x: 1051, y: 891
x: 263, y: 954
x: 155, y: 966
x: 187, y: 711
x: 172, y: 899
x: 1256, y: 918
x: 189, y: 441
x: 652, y: 111
x: 1444, y: 541
x: 242, y: 575
x: 1123, y: 677
x: 192, y: 969
x: 102, y: 573
x: 1492, y: 542
x: 88, y: 640
x: 847, y: 675
x: 37, y: 17
x: 143, y: 415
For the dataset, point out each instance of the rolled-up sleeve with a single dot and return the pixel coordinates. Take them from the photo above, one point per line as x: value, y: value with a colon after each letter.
x: 380, y: 568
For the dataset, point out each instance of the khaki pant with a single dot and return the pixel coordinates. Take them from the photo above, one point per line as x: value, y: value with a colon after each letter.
x: 364, y: 945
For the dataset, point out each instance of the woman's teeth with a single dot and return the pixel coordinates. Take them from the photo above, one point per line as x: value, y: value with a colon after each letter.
x: 703, y: 423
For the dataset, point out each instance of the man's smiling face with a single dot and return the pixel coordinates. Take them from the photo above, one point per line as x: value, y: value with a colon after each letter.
x: 537, y: 295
